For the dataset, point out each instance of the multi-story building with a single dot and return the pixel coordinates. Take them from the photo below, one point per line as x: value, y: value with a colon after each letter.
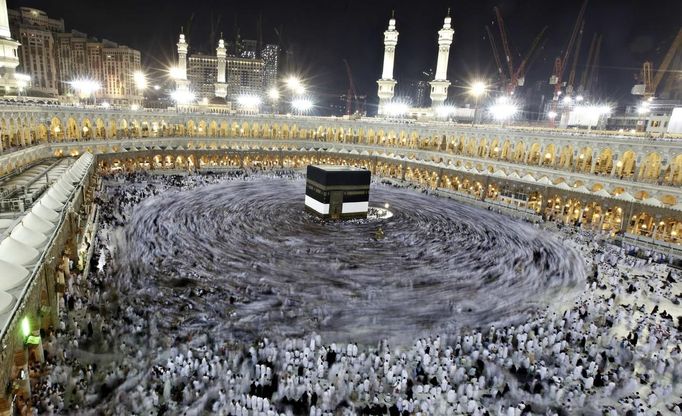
x: 270, y: 56
x: 34, y: 30
x: 109, y: 63
x: 118, y: 64
x: 54, y: 57
x: 202, y: 72
x: 71, y: 58
x: 247, y: 48
x: 244, y: 76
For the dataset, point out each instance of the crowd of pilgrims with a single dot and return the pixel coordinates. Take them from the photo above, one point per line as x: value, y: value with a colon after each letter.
x: 614, y: 351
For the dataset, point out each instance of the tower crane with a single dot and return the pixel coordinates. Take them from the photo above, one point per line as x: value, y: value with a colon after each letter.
x: 496, y: 55
x: 650, y: 78
x: 528, y: 60
x: 351, y: 95
x: 593, y: 76
x: 560, y: 62
x: 576, y: 56
x: 512, y: 76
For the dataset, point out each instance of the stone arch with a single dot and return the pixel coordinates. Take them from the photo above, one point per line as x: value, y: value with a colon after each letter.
x: 41, y: 133
x: 566, y: 157
x: 549, y: 155
x: 191, y: 128
x: 72, y: 131
x: 111, y: 128
x: 674, y: 171
x: 604, y: 163
x: 482, y: 148
x: 87, y: 130
x: 583, y: 163
x: 534, y: 156
x: 625, y: 167
x: 100, y: 131
x: 506, y: 150
x: 202, y: 128
x: 519, y: 152
x: 212, y: 129
x: 57, y: 130
x: 651, y: 167
x: 494, y: 150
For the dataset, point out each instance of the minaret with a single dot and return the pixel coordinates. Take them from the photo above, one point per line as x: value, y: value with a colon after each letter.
x: 221, y: 53
x: 181, y: 77
x: 439, y: 86
x: 9, y: 59
x: 387, y: 83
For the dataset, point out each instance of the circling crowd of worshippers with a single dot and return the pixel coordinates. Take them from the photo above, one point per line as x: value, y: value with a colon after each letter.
x: 616, y: 350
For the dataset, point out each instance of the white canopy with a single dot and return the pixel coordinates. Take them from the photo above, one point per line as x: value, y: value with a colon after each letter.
x: 653, y: 202
x: 582, y: 189
x: 66, y: 185
x: 6, y: 302
x: 529, y: 178
x: 11, y: 275
x: 15, y: 252
x: 51, y: 203
x: 45, y: 213
x: 564, y: 186
x: 500, y: 173
x: 70, y: 176
x: 57, y: 195
x: 29, y: 237
x: 544, y: 181
x: 625, y: 196
x: 603, y: 193
x: 677, y: 206
x: 36, y: 223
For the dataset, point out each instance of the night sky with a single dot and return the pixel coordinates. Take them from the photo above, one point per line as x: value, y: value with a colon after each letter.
x: 316, y: 35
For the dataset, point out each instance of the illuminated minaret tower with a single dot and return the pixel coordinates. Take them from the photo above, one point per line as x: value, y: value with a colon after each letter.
x: 9, y: 59
x: 387, y: 83
x: 439, y: 86
x: 221, y: 53
x: 181, y: 76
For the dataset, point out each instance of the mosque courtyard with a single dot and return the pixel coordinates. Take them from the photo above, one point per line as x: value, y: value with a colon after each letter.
x: 217, y: 294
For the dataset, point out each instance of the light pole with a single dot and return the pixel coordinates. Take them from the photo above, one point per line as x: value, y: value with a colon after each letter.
x: 23, y: 81
x: 503, y: 109
x: 140, y: 80
x: 85, y: 88
x: 182, y: 97
x: 476, y: 90
x: 273, y: 95
x: 302, y: 105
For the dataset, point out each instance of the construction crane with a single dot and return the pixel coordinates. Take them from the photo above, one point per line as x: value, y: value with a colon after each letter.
x: 588, y: 65
x: 496, y: 55
x: 593, y: 77
x: 351, y: 95
x: 528, y: 60
x: 560, y: 62
x: 505, y: 41
x: 650, y: 78
x: 576, y: 56
x: 514, y: 76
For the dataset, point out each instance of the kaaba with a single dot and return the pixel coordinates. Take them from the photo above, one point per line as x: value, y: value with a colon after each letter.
x: 337, y: 192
